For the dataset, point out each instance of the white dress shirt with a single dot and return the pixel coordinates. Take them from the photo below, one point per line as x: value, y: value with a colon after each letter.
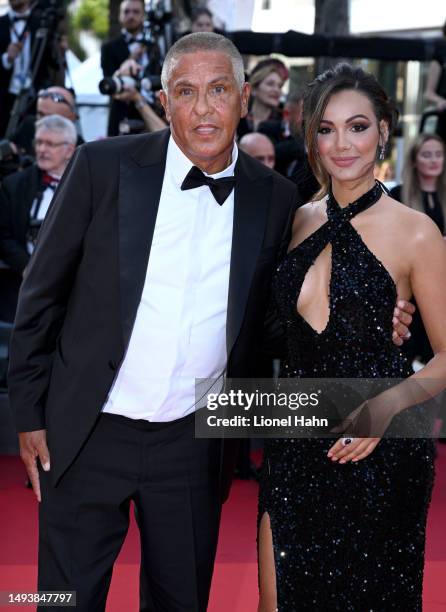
x: 180, y: 328
x: 21, y: 65
x: 138, y: 41
x: 40, y: 207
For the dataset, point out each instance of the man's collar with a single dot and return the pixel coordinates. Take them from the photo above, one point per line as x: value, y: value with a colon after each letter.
x: 139, y: 36
x: 13, y: 14
x: 179, y: 164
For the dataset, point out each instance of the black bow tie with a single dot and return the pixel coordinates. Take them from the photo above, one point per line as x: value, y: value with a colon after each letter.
x: 134, y: 39
x: 18, y: 18
x: 220, y: 188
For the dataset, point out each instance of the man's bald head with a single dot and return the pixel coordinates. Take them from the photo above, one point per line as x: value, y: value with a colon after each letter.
x: 56, y: 101
x: 260, y: 147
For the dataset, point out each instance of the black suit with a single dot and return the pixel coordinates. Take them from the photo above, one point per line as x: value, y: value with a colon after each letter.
x: 113, y: 54
x: 17, y: 194
x: 84, y: 285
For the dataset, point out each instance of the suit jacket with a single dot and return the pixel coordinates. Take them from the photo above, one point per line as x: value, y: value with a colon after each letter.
x: 17, y: 194
x: 81, y: 292
x: 113, y: 54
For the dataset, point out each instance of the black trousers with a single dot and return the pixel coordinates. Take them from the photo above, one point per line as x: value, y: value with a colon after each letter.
x: 173, y: 480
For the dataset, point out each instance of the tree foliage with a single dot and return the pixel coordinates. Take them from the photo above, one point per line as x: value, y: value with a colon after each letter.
x: 92, y: 15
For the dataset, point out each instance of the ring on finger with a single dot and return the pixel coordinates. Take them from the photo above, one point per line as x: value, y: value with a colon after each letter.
x: 346, y: 441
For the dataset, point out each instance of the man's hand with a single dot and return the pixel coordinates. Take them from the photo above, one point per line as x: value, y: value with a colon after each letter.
x: 128, y: 95
x: 402, y: 318
x: 14, y: 50
x: 138, y: 52
x: 128, y: 68
x: 33, y: 445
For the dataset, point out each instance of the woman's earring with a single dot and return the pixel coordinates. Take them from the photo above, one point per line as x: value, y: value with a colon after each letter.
x: 382, y: 153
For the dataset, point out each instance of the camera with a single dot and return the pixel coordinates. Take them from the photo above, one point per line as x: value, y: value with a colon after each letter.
x: 110, y: 86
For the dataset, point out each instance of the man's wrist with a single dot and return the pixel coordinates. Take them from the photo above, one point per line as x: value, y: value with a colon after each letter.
x: 140, y: 103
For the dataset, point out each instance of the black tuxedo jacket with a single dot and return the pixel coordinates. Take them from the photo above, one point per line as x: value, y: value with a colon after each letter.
x: 113, y: 54
x: 83, y: 285
x: 17, y: 194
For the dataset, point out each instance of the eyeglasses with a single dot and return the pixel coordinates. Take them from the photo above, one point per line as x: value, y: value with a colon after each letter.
x: 45, y: 94
x: 47, y: 143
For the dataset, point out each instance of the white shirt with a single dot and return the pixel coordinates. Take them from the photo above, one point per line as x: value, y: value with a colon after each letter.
x: 135, y: 46
x: 180, y: 328
x: 20, y: 73
x: 40, y: 207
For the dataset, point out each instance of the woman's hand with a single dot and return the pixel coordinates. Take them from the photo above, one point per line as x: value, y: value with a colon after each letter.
x: 358, y: 449
x: 365, y: 427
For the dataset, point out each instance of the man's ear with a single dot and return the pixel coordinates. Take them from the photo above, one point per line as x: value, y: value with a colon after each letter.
x: 246, y: 92
x: 165, y: 103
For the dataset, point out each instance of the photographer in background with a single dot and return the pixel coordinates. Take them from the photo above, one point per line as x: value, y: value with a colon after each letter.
x: 129, y: 45
x: 152, y: 121
x: 15, y: 49
x: 17, y: 34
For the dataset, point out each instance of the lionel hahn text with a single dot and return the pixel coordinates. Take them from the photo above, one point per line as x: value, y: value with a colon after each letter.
x: 261, y: 421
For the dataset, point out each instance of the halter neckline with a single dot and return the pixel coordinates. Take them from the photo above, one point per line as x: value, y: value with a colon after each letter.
x: 367, y: 199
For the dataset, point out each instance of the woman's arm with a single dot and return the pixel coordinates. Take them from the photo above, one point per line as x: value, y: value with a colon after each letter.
x: 428, y: 281
x: 433, y: 78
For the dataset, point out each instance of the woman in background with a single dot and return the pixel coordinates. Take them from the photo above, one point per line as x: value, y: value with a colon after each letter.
x: 424, y: 179
x: 266, y: 82
x: 423, y: 189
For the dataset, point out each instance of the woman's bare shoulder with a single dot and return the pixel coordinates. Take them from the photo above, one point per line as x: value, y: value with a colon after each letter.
x: 416, y: 225
x: 307, y: 219
x: 312, y: 212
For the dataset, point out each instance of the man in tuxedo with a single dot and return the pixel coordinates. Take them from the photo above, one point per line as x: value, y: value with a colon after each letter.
x: 24, y: 199
x: 152, y: 269
x: 129, y: 44
x: 25, y: 196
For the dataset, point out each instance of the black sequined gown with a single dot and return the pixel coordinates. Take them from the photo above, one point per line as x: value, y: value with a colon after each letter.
x: 345, y: 537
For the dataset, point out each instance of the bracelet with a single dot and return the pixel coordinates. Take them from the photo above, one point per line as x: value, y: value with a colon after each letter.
x: 140, y: 104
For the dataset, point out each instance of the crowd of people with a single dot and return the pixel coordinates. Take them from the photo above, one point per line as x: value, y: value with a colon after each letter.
x: 309, y: 143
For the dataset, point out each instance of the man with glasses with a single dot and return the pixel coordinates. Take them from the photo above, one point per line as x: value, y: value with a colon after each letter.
x: 25, y: 196
x: 50, y: 101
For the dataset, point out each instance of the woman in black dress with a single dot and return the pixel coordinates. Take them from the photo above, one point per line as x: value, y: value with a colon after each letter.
x: 342, y: 526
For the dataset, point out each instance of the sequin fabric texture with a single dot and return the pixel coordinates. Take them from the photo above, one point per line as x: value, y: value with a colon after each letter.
x: 346, y: 537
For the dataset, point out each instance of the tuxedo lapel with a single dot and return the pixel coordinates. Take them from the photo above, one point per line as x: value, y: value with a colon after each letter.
x: 31, y: 188
x: 252, y: 196
x: 141, y: 180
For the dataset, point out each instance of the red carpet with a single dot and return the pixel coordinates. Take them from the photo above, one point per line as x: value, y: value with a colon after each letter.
x: 234, y: 586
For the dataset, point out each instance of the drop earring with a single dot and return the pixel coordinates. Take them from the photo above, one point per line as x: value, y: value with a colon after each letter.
x: 382, y: 152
